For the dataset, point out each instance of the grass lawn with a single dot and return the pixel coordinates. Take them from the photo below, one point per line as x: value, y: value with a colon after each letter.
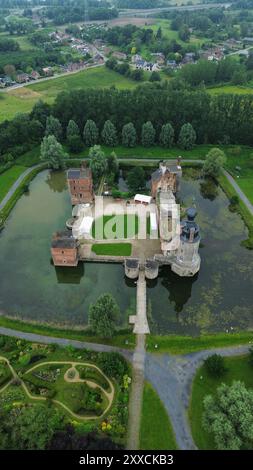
x: 238, y: 369
x: 241, y: 208
x: 8, y: 178
x: 112, y: 249
x: 107, y: 226
x: 185, y: 344
x: 238, y: 90
x: 23, y: 99
x: 156, y: 432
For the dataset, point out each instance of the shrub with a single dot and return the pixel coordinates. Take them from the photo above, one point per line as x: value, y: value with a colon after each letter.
x: 215, y: 365
x: 113, y: 364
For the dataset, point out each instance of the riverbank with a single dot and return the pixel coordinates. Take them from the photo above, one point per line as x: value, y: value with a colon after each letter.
x: 122, y: 339
x: 176, y: 344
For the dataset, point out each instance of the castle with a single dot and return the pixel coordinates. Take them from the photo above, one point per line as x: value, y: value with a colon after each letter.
x: 179, y: 240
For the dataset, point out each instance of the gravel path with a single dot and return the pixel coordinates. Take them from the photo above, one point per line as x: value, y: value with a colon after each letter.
x: 17, y: 183
x: 239, y: 191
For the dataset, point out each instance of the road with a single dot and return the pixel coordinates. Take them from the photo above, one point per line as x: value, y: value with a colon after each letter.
x: 140, y: 13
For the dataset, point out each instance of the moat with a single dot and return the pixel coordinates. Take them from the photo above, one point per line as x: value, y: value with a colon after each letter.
x: 219, y: 298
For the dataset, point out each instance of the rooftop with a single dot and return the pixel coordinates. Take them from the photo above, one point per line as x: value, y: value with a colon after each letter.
x: 63, y: 239
x: 76, y: 173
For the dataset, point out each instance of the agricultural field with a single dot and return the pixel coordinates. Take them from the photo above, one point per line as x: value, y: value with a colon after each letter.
x: 22, y: 100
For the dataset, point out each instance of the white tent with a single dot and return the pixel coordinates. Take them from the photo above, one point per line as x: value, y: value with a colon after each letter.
x: 142, y: 198
x: 82, y: 228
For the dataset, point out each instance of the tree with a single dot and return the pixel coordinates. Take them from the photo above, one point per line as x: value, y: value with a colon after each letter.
x: 10, y: 70
x: 184, y: 33
x: 214, y: 161
x: 98, y: 162
x: 113, y: 364
x: 112, y: 165
x: 53, y: 127
x: 109, y: 134
x: 129, y: 135
x: 31, y: 427
x: 187, y: 137
x: 251, y: 356
x: 167, y: 135
x: 215, y: 365
x: 159, y: 33
x: 136, y: 179
x: 155, y: 77
x: 52, y: 152
x: 148, y: 134
x: 228, y: 415
x: 90, y: 133
x: 73, y: 137
x: 41, y: 112
x: 103, y: 316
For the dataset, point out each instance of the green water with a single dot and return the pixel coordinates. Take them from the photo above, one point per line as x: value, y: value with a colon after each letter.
x: 218, y: 298
x: 30, y: 286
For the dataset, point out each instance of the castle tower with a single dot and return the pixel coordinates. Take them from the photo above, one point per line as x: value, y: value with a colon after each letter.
x: 187, y: 261
x: 80, y: 185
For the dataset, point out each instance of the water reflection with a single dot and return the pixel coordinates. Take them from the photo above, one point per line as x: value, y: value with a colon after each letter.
x: 75, y: 274
x: 56, y: 182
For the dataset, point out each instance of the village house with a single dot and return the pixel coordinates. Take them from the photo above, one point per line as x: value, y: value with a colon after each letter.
x: 48, y: 71
x: 119, y: 55
x: 148, y: 66
x: 34, y: 75
x: 22, y: 78
x: 159, y: 58
x: 172, y: 64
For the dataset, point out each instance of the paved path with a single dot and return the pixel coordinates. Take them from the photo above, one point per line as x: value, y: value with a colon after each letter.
x: 135, y: 403
x: 17, y: 183
x: 141, y: 323
x: 239, y: 191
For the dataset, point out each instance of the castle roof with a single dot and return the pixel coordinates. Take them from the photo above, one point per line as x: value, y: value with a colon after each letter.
x: 77, y: 173
x: 171, y: 167
x: 63, y: 239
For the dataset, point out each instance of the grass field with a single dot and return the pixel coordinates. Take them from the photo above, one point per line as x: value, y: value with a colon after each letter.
x: 23, y: 99
x: 112, y: 249
x: 106, y: 227
x: 238, y: 90
x: 238, y: 369
x: 8, y: 178
x: 156, y: 432
x: 176, y: 344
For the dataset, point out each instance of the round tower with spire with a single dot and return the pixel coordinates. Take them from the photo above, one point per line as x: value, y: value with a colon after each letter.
x: 187, y: 262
